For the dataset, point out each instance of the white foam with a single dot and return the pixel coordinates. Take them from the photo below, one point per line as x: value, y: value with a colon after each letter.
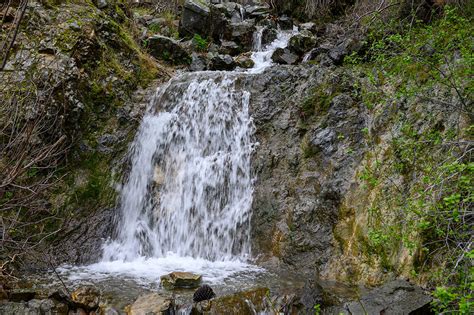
x: 148, y: 270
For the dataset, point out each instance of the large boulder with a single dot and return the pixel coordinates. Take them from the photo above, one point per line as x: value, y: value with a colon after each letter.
x: 222, y: 62
x: 168, y: 49
x: 269, y: 35
x: 178, y: 279
x: 153, y: 303
x: 397, y: 297
x: 301, y: 43
x: 284, y: 56
x: 241, y: 33
x: 345, y: 48
x: 198, y: 63
x: 195, y: 18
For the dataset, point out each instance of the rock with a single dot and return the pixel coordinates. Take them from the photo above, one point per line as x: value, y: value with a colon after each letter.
x: 301, y: 43
x: 106, y: 142
x: 8, y: 15
x: 397, y: 297
x: 178, y: 279
x: 204, y: 293
x: 323, y: 141
x: 345, y: 48
x: 268, y: 35
x: 101, y: 4
x: 257, y: 11
x: 86, y: 297
x: 310, y: 26
x: 222, y: 62
x: 285, y: 22
x: 241, y: 33
x: 310, y: 295
x: 244, y: 61
x: 195, y: 18
x: 168, y: 49
x: 198, y: 63
x: 241, y: 303
x: 284, y: 56
x: 315, y: 53
x: 153, y: 303
x: 229, y: 48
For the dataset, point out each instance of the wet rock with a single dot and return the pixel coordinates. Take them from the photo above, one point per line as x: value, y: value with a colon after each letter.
x: 397, y: 297
x: 301, y: 43
x: 204, y: 293
x: 285, y: 22
x: 195, y: 18
x: 168, y: 49
x: 198, y: 63
x: 241, y: 303
x: 284, y: 56
x: 222, y: 62
x: 178, y: 279
x: 87, y: 297
x: 269, y: 35
x: 153, y: 303
x: 245, y: 61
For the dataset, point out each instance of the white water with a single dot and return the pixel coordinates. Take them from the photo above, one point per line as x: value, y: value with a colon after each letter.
x: 186, y: 203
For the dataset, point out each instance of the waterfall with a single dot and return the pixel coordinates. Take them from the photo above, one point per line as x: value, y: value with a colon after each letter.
x: 186, y: 203
x: 189, y: 191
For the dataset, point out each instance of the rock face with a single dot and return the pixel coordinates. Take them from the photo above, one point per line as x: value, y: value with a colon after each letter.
x: 168, y: 49
x: 397, y: 297
x: 195, y: 18
x: 302, y: 165
x: 178, y: 279
x: 153, y: 303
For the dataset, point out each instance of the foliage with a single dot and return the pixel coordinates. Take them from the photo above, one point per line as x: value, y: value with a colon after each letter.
x: 426, y: 177
x: 200, y: 42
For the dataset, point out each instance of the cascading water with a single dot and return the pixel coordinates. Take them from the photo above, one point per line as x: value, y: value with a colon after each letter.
x: 186, y: 203
x: 190, y: 188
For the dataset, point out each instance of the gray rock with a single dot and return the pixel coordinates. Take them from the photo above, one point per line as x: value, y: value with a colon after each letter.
x: 195, y: 18
x: 310, y: 26
x: 198, y: 63
x: 397, y: 297
x: 284, y: 56
x: 230, y: 48
x: 257, y: 11
x: 86, y: 297
x: 323, y: 140
x: 269, y: 35
x: 345, y: 48
x: 241, y: 33
x: 168, y: 49
x: 222, y: 62
x: 301, y: 43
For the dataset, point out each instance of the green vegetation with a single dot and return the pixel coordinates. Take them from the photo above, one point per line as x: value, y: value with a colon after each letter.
x: 200, y: 43
x: 423, y: 182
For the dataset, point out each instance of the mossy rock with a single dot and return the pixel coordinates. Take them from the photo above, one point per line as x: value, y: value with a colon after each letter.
x: 178, y: 279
